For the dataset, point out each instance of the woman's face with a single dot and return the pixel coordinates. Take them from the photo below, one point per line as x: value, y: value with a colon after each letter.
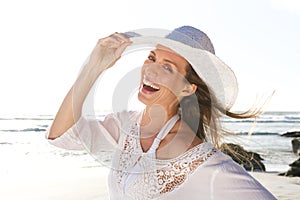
x: 163, y: 78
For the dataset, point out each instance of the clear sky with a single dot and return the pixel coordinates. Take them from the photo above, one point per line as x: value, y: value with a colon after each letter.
x: 44, y: 43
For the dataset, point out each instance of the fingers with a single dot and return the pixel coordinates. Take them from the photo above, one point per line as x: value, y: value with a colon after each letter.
x: 118, y: 37
x: 111, y: 46
x: 116, y: 42
x: 119, y: 42
x: 121, y: 48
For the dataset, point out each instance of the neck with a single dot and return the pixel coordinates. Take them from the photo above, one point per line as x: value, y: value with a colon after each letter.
x: 154, y: 118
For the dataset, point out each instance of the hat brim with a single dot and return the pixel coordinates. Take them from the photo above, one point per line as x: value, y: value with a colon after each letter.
x: 219, y: 77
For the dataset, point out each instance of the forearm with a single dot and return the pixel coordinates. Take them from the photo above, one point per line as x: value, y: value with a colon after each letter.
x: 71, y: 107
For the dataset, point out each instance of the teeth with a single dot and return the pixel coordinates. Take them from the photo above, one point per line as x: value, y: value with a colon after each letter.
x: 150, y: 84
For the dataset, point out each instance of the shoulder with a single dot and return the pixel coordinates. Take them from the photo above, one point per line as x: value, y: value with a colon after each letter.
x: 223, y: 164
x: 229, y: 179
x: 124, y: 116
x: 127, y: 115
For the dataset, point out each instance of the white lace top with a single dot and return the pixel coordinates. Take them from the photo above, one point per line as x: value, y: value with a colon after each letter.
x: 202, y: 172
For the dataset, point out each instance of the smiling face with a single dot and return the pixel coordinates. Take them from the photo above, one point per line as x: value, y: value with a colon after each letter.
x: 163, y: 78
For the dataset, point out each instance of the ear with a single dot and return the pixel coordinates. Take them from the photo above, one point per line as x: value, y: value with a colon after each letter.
x: 189, y: 89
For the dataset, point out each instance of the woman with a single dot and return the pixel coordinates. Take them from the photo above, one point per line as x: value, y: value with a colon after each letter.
x: 168, y: 151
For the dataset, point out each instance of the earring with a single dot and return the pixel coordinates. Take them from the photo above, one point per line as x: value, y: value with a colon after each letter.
x: 179, y: 111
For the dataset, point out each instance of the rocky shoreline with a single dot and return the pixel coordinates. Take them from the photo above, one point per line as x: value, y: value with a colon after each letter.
x: 295, y: 166
x: 251, y: 161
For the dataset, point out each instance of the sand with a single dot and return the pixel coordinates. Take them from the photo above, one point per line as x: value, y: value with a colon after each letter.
x: 282, y: 187
x: 78, y: 183
x: 66, y: 184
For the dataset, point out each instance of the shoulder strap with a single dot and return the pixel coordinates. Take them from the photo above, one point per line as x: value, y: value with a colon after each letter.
x: 163, y: 133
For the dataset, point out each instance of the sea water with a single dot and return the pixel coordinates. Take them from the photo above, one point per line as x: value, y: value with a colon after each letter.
x: 23, y: 144
x: 264, y: 136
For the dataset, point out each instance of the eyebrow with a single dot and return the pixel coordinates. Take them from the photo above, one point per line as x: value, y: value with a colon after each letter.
x: 166, y: 60
x: 153, y: 52
x: 169, y: 61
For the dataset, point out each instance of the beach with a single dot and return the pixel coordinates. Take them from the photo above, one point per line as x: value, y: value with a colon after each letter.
x: 66, y: 184
x: 89, y: 183
x: 282, y: 187
x: 32, y: 169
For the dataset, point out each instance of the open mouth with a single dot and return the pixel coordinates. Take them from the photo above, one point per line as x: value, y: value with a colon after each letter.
x: 150, y: 87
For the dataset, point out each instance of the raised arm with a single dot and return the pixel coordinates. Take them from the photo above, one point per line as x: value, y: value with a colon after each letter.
x: 106, y: 52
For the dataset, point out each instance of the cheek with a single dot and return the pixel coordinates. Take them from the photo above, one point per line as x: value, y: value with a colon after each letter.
x: 174, y: 85
x: 174, y: 80
x: 142, y: 73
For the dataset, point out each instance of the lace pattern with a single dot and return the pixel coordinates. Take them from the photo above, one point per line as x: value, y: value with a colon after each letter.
x: 157, y: 177
x: 125, y: 158
x: 173, y: 175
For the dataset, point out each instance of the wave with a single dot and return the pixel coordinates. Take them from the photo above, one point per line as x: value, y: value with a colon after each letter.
x: 25, y: 130
x: 6, y: 143
x: 39, y: 123
x: 26, y: 118
x: 261, y: 121
x: 267, y: 119
x: 43, y: 129
x: 257, y: 133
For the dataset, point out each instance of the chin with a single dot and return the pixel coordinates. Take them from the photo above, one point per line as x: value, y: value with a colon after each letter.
x: 142, y: 98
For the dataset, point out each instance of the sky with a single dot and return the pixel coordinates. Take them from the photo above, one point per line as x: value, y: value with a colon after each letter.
x: 43, y: 45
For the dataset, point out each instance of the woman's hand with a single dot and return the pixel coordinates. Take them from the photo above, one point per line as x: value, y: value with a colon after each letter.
x: 106, y: 52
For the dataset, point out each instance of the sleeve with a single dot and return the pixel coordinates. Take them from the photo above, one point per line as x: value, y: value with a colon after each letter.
x: 231, y: 181
x: 90, y: 134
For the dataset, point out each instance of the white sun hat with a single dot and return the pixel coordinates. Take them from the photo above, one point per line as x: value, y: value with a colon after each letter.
x: 195, y: 46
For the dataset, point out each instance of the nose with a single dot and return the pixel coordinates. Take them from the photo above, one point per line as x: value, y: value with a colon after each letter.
x: 151, y: 70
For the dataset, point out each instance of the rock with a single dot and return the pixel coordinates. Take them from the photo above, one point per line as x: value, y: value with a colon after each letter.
x: 296, y: 163
x: 296, y: 146
x: 291, y: 134
x: 295, y: 166
x: 251, y: 161
x: 294, y: 170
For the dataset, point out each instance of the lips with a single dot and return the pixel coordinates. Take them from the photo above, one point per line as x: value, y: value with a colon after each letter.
x: 149, y: 87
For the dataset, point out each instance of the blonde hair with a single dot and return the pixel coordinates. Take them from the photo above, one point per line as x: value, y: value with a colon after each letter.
x: 202, y: 112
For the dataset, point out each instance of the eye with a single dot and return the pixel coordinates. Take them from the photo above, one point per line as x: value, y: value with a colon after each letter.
x: 152, y: 58
x: 168, y: 68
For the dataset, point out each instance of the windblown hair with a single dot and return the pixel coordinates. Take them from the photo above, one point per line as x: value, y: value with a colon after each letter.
x: 202, y: 112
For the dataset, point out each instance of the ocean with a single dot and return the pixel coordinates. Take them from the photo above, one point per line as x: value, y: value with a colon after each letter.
x: 23, y: 144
